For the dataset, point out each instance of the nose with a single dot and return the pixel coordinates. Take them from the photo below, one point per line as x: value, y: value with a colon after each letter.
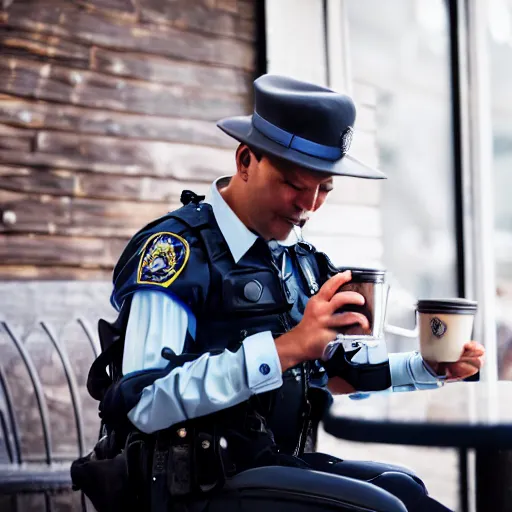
x: 307, y: 199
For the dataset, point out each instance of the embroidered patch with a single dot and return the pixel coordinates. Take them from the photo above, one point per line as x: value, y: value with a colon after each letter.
x: 163, y: 258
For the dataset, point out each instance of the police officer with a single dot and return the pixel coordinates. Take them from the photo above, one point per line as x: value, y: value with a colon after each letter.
x: 223, y: 324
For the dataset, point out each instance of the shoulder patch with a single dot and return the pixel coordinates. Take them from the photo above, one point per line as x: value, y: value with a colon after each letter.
x: 163, y: 257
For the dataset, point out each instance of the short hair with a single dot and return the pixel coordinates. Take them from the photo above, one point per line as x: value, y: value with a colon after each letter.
x: 256, y: 152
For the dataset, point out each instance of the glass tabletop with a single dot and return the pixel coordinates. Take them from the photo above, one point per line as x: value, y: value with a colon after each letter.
x: 471, y: 414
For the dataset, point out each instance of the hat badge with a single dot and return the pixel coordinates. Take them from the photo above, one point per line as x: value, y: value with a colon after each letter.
x: 346, y: 139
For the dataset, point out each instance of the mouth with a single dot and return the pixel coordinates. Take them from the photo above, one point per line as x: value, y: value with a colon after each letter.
x: 296, y: 222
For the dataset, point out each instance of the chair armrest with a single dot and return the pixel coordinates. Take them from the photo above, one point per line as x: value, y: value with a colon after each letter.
x: 315, y: 483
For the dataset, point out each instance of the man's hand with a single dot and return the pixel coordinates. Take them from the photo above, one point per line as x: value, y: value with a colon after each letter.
x: 320, y: 323
x: 470, y: 362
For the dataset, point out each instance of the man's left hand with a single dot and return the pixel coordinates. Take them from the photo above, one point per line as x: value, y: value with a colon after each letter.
x: 470, y: 362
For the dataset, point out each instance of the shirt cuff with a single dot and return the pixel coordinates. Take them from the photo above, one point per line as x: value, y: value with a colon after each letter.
x: 262, y: 362
x: 409, y: 372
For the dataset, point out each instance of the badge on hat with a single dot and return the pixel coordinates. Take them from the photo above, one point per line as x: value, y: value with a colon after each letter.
x: 346, y: 139
x: 163, y: 257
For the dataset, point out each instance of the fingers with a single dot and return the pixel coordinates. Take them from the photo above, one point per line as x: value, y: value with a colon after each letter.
x: 330, y: 287
x: 348, y: 318
x: 461, y: 371
x: 474, y: 348
x: 341, y: 299
x: 475, y: 362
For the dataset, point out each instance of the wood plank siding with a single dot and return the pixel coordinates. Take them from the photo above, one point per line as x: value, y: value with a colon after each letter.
x: 107, y: 111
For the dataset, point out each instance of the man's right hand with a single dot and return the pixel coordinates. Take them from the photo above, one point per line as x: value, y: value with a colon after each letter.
x: 320, y: 323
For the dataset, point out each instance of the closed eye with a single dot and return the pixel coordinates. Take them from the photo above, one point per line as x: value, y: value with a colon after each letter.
x: 295, y: 187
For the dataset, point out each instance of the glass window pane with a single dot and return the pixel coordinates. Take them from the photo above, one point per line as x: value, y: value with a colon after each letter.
x: 500, y: 55
x: 400, y: 49
x: 400, y: 58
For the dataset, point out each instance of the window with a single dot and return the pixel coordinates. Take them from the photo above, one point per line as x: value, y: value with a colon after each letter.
x: 399, y: 49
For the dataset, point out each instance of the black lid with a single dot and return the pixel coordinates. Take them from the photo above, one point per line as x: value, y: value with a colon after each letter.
x: 366, y: 275
x: 448, y: 306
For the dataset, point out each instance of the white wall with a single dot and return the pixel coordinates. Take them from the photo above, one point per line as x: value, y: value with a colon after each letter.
x: 348, y: 227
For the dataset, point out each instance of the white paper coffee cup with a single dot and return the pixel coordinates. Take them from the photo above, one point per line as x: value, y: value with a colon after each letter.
x: 445, y: 326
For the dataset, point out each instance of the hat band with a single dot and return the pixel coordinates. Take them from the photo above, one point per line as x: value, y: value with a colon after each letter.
x: 289, y: 140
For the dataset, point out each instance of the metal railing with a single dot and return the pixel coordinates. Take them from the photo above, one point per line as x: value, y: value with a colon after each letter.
x: 20, y: 475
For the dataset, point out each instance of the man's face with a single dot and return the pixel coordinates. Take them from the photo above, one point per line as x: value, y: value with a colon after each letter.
x: 284, y: 195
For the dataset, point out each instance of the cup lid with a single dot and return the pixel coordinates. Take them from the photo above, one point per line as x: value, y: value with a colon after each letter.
x: 448, y: 306
x: 366, y: 275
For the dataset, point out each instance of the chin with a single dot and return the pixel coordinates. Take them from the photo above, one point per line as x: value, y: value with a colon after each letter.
x: 282, y: 235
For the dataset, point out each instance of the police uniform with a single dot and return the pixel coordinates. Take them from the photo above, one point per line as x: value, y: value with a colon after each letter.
x: 201, y: 300
x: 159, y: 320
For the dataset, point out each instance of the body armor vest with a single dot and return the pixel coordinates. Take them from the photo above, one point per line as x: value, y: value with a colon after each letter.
x: 238, y: 300
x: 249, y: 297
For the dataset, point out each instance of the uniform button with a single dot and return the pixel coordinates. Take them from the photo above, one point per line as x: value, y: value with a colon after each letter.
x: 264, y: 369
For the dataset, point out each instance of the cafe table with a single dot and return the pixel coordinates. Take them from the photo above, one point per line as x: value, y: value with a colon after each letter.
x: 462, y: 415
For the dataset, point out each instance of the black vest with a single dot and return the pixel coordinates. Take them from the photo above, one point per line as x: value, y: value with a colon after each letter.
x: 237, y: 300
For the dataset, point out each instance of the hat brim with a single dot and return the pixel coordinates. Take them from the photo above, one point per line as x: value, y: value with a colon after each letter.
x: 242, y: 129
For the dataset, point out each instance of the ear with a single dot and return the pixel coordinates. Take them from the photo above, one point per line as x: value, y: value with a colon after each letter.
x: 244, y: 161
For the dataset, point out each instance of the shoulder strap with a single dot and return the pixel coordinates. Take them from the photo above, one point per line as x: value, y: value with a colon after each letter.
x: 308, y: 266
x: 112, y: 345
x: 200, y: 219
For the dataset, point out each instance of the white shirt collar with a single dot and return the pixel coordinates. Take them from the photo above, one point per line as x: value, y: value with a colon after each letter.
x: 237, y: 235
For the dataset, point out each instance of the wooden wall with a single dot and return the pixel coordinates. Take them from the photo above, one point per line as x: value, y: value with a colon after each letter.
x: 107, y: 111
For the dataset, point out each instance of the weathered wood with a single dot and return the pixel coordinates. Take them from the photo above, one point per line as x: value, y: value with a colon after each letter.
x: 50, y: 49
x: 39, y: 114
x: 43, y: 214
x: 48, y: 251
x: 15, y: 138
x: 99, y: 218
x: 99, y: 186
x: 197, y: 16
x: 247, y: 9
x: 227, y: 5
x: 134, y: 189
x: 91, y: 89
x: 52, y: 273
x: 64, y: 20
x: 25, y: 179
x: 142, y: 158
x: 119, y: 9
x: 171, y: 71
x: 78, y: 216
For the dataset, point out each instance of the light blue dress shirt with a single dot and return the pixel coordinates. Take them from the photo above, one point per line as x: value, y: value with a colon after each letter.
x: 215, y: 382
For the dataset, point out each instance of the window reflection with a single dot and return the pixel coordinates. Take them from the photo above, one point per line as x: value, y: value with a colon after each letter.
x: 500, y: 54
x: 400, y: 49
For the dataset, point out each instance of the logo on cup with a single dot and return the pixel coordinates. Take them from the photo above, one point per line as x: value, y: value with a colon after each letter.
x: 438, y: 327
